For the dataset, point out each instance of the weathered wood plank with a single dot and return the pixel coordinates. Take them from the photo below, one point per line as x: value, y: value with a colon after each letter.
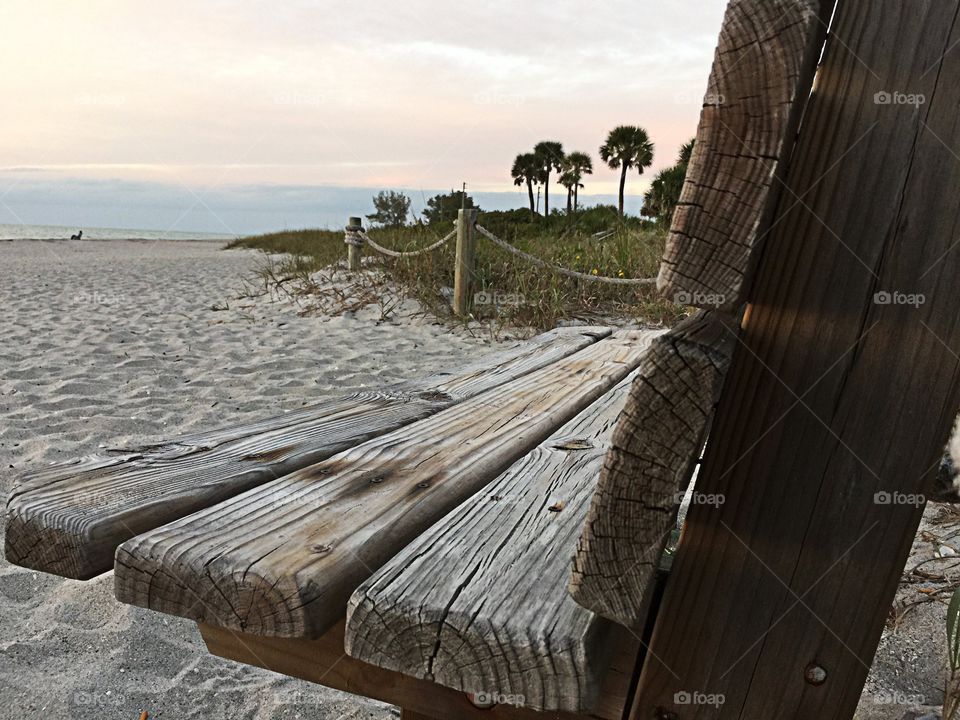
x: 283, y: 559
x: 653, y: 454
x: 478, y: 603
x: 323, y: 661
x: 846, y: 385
x: 761, y: 79
x: 69, y: 519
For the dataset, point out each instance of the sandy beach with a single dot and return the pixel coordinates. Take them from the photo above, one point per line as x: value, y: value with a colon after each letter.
x: 112, y: 342
x: 120, y: 343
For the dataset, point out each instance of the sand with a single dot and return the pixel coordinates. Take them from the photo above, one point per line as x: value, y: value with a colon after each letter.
x: 120, y: 343
x: 116, y: 342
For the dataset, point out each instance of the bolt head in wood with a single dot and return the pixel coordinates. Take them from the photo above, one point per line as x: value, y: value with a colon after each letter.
x: 815, y: 675
x: 481, y: 700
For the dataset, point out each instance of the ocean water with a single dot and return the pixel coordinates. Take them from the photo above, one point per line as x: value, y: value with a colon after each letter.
x: 57, y: 232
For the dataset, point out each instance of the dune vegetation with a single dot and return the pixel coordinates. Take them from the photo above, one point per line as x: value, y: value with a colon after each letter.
x: 508, y: 289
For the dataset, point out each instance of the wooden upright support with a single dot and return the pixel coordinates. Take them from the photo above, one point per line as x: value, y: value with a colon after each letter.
x: 354, y: 251
x: 756, y: 95
x: 841, y: 392
x: 463, y: 277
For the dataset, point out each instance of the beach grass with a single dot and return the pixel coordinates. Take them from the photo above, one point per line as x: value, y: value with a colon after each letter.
x: 508, y: 289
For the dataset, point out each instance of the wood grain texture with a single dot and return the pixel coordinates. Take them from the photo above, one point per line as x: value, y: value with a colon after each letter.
x: 69, y: 519
x: 323, y: 661
x: 839, y: 392
x: 478, y: 602
x: 653, y: 454
x: 283, y: 559
x: 761, y: 78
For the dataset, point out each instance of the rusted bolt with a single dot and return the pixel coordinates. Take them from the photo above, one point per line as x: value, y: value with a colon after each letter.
x: 815, y: 675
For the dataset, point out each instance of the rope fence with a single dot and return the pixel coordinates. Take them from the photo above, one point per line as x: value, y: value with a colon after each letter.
x: 557, y: 268
x: 465, y: 230
x: 358, y: 238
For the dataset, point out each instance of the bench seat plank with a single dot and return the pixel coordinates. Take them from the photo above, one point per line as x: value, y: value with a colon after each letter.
x: 479, y: 603
x: 68, y: 519
x: 282, y: 559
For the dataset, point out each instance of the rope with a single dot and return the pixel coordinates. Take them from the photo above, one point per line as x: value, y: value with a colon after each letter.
x: 562, y: 270
x: 353, y: 236
x: 358, y: 238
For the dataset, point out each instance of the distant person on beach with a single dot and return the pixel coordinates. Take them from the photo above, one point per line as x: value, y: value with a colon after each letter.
x: 78, y: 236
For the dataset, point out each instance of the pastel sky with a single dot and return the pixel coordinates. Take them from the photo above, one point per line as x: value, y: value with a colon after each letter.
x: 211, y: 95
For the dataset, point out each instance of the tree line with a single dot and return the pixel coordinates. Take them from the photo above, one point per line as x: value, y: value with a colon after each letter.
x: 626, y: 147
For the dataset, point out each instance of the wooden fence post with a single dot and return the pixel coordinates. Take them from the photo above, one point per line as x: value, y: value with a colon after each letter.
x: 463, y: 275
x: 354, y: 252
x: 841, y: 393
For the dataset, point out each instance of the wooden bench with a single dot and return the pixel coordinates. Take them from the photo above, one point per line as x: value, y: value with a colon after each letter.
x: 268, y: 572
x: 69, y: 518
x: 416, y: 546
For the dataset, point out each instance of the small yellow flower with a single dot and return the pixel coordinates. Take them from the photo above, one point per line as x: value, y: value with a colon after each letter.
x: 620, y: 274
x: 578, y: 257
x: 596, y: 272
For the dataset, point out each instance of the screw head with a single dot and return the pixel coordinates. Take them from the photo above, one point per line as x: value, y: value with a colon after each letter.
x: 815, y: 674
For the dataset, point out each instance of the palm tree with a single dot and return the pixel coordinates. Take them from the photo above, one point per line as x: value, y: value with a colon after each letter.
x: 575, y: 166
x: 526, y: 171
x: 686, y: 152
x: 627, y: 146
x: 550, y: 156
x: 661, y: 200
x: 568, y: 181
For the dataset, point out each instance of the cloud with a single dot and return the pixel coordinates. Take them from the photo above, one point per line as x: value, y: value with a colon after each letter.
x: 420, y: 94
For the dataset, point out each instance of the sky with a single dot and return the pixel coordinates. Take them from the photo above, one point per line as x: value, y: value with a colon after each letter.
x: 247, y: 115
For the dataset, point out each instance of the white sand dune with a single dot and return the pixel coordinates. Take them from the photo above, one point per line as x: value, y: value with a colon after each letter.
x: 118, y: 342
